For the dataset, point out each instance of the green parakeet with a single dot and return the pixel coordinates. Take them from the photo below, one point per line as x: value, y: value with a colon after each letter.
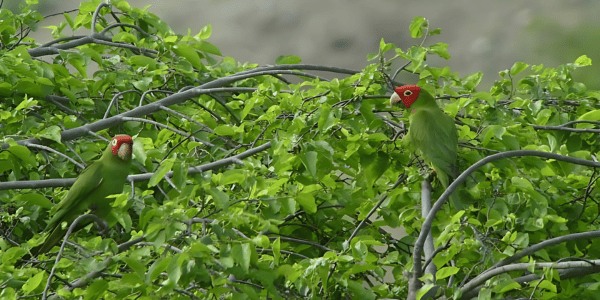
x: 106, y: 176
x: 430, y: 131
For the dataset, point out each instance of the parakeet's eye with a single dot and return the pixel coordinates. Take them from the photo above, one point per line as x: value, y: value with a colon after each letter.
x: 407, y: 93
x: 114, y: 142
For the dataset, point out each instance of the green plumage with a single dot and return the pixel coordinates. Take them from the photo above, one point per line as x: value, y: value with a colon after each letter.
x: 431, y: 131
x: 104, y: 177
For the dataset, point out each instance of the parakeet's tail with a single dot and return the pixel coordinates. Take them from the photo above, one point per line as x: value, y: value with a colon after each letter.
x: 54, y: 238
x: 445, y: 180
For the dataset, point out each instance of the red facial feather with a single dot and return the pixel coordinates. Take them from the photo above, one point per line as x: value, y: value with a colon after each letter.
x: 119, y: 140
x: 408, y: 94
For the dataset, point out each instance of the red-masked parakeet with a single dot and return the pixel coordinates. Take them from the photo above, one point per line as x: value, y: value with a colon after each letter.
x: 430, y: 131
x: 106, y: 176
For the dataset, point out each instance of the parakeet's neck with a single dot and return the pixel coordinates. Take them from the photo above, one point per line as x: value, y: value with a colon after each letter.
x: 107, y: 154
x: 423, y: 103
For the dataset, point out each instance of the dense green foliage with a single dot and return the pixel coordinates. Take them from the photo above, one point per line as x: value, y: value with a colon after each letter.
x: 258, y: 182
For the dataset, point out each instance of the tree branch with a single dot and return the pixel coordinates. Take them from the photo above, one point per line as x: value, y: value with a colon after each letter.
x: 415, y: 283
x: 482, y: 278
x: 547, y: 243
x: 65, y: 182
x: 214, y: 86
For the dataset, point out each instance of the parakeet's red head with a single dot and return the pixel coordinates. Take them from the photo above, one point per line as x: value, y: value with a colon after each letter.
x: 408, y: 94
x: 121, y: 145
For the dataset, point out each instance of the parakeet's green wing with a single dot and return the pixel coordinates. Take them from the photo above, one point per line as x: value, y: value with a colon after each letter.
x: 433, y: 132
x: 89, y: 180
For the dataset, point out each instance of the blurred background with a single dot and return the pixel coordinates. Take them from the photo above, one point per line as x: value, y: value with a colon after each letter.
x: 483, y: 35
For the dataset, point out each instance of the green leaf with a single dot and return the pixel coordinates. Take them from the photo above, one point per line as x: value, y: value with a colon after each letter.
x: 224, y: 130
x: 385, y: 47
x: 220, y: 198
x: 441, y: 49
x: 160, y: 173
x: 159, y: 266
x: 232, y: 176
x: 359, y: 291
x: 326, y: 118
x: 288, y: 60
x: 189, y: 53
x: 51, y: 133
x: 135, y: 265
x: 6, y: 89
x: 34, y: 199
x: 423, y: 290
x: 307, y: 202
x: 309, y: 160
x: 26, y: 103
x: 139, y: 153
x: 446, y: 272
x: 205, y: 32
x: 143, y: 61
x: 207, y: 47
x: 22, y: 153
x: 493, y: 131
x: 418, y: 27
x: 518, y: 67
x: 276, y: 247
x: 472, y: 81
x: 583, y: 61
x: 121, y: 5
x: 593, y: 116
x: 34, y: 282
x: 242, y: 255
x: 96, y: 289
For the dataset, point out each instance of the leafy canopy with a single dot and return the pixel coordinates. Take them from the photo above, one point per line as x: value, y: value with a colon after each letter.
x: 256, y: 182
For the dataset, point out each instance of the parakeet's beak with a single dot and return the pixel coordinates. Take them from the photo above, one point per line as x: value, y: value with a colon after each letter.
x: 394, y: 99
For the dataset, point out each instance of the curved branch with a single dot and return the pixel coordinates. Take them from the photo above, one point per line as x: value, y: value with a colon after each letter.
x: 96, y: 14
x: 299, y: 241
x: 415, y: 284
x: 114, y: 100
x: 237, y: 159
x: 65, y: 182
x: 91, y: 39
x: 361, y: 224
x: 46, y: 148
x: 175, y: 130
x: 98, y: 125
x: 111, y: 26
x: 563, y: 128
x: 482, y: 278
x: 547, y: 243
x: 214, y: 86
